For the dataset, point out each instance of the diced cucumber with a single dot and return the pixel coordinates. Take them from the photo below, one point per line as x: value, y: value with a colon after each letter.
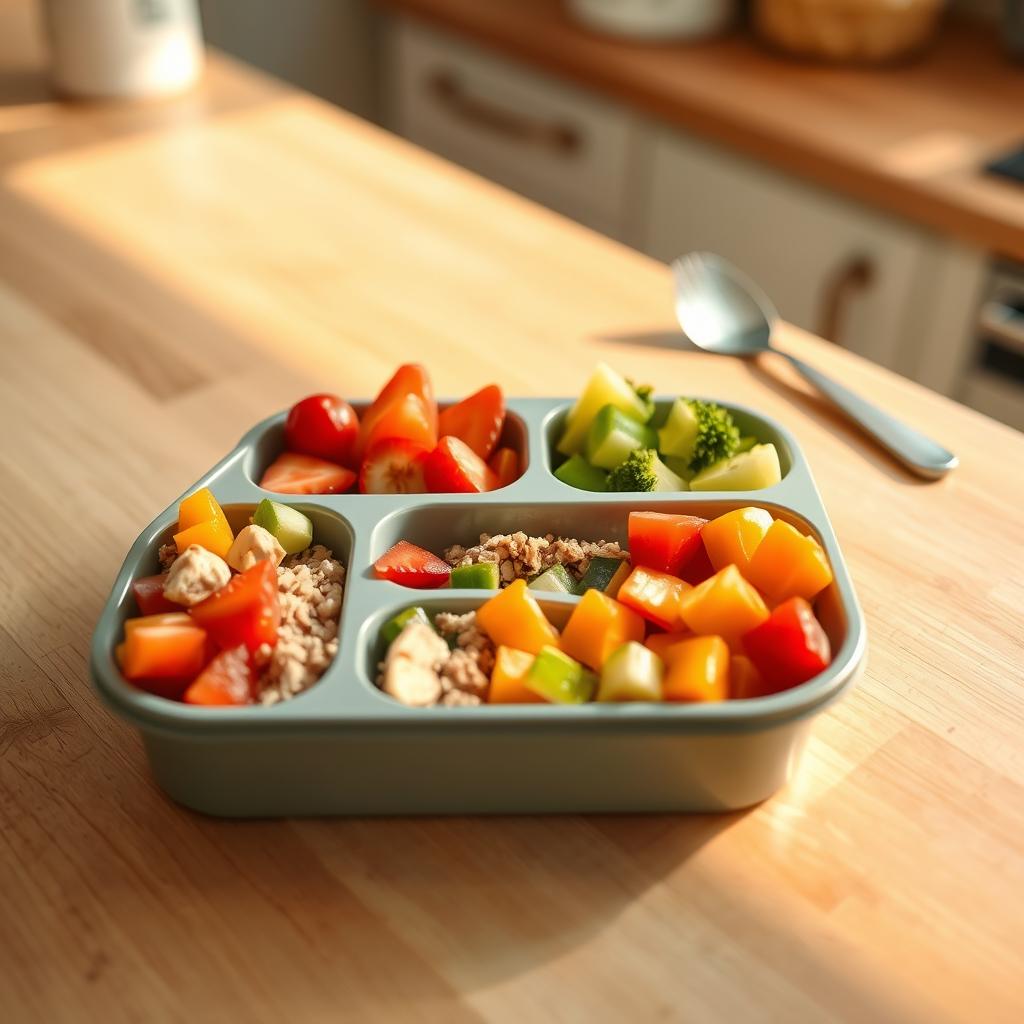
x: 745, y: 444
x: 679, y: 466
x: 577, y: 472
x: 667, y: 480
x: 558, y: 678
x: 678, y: 437
x: 557, y: 580
x: 749, y: 471
x: 613, y: 435
x: 632, y: 672
x: 604, y: 574
x: 605, y: 387
x: 390, y: 630
x: 293, y: 530
x: 481, y: 576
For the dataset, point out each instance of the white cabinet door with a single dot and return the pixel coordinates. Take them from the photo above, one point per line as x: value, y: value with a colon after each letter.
x: 547, y: 140
x: 831, y: 266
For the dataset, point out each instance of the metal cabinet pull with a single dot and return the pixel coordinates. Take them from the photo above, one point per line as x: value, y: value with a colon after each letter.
x: 853, y: 278
x: 560, y: 138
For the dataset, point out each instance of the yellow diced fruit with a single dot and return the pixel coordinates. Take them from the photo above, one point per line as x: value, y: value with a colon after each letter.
x: 788, y: 563
x: 733, y: 538
x: 513, y: 618
x: 510, y: 669
x: 698, y: 671
x: 725, y: 605
x: 199, y: 507
x: 598, y: 625
x: 215, y: 535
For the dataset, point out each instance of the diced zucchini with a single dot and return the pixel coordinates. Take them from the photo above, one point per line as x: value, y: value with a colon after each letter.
x: 667, y: 480
x: 679, y: 435
x: 749, y: 471
x: 613, y: 435
x: 557, y: 580
x: 577, y: 472
x: 632, y: 672
x: 558, y: 678
x: 293, y: 530
x: 481, y: 576
x: 604, y: 574
x: 390, y: 630
x: 605, y: 387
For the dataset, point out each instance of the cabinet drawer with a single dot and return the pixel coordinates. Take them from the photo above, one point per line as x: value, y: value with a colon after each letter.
x: 518, y: 127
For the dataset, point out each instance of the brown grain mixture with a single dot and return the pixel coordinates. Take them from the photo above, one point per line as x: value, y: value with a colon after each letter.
x: 520, y: 557
x: 309, y: 588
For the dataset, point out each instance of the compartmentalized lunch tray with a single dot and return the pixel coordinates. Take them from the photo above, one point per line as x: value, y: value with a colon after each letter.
x: 344, y: 747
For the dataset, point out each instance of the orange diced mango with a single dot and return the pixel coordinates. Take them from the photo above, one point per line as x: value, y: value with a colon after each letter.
x: 512, y: 618
x: 164, y: 652
x: 507, y: 678
x: 733, y: 538
x: 160, y: 619
x: 598, y: 625
x: 199, y: 507
x: 725, y: 605
x: 698, y: 670
x: 215, y: 535
x: 788, y: 563
x: 744, y: 679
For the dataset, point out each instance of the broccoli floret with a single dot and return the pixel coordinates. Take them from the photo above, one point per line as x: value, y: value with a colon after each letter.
x: 718, y: 437
x: 642, y: 470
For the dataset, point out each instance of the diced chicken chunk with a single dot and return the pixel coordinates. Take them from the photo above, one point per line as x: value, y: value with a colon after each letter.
x: 411, y: 668
x: 195, y: 575
x: 254, y: 544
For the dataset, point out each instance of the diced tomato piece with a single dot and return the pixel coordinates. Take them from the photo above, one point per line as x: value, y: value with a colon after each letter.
x: 412, y: 566
x: 245, y: 611
x: 393, y: 466
x: 698, y: 568
x: 291, y: 473
x: 454, y: 466
x: 505, y: 464
x: 657, y: 596
x: 409, y: 379
x: 789, y: 647
x: 163, y: 658
x: 477, y: 420
x: 148, y: 592
x: 664, y: 541
x: 227, y: 680
x: 407, y: 417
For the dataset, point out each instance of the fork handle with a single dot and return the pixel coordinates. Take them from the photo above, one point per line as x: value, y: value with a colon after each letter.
x: 918, y: 453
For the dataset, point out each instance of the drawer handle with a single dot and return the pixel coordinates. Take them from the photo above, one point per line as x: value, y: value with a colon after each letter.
x: 1004, y: 323
x: 853, y: 278
x: 562, y: 139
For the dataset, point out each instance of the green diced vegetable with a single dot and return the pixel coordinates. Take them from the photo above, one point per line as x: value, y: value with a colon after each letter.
x: 632, y: 672
x: 293, y: 530
x: 390, y: 630
x: 604, y: 574
x: 745, y: 444
x: 644, y: 471
x: 749, y: 471
x: 700, y: 432
x: 558, y: 678
x: 481, y: 576
x: 605, y: 387
x: 678, y: 466
x: 613, y: 435
x: 557, y: 579
x: 577, y: 472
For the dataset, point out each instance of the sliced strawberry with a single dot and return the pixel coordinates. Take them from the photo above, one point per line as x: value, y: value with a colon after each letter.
x: 505, y: 463
x: 412, y: 567
x: 477, y: 420
x: 406, y: 417
x: 454, y: 466
x: 291, y: 473
x: 394, y: 466
x: 409, y: 379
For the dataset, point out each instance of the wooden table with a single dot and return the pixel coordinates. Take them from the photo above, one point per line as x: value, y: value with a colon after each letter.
x: 912, y: 139
x: 168, y: 274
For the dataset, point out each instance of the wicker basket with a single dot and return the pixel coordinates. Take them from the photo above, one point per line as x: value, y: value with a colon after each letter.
x: 867, y: 31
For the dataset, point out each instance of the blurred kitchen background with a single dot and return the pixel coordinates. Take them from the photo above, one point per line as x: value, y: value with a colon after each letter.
x: 836, y: 150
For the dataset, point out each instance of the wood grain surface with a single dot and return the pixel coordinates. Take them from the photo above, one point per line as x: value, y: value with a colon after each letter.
x: 171, y: 272
x: 909, y: 139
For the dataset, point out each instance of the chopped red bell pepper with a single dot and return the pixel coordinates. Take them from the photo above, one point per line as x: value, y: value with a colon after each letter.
x: 411, y: 566
x: 149, y: 595
x: 664, y: 541
x: 789, y: 647
x: 227, y: 680
x: 244, y: 611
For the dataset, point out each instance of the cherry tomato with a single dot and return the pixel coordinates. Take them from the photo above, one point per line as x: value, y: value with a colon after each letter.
x: 324, y: 426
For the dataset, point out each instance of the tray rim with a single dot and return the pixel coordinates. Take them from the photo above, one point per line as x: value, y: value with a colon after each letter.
x: 306, y: 715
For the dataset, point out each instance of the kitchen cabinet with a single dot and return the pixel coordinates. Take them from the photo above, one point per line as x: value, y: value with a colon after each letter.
x: 557, y: 144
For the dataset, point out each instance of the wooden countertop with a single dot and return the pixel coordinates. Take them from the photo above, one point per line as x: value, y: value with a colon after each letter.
x: 171, y: 272
x: 910, y: 140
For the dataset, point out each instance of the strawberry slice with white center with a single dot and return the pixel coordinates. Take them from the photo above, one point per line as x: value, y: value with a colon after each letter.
x: 393, y: 466
x: 292, y: 473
